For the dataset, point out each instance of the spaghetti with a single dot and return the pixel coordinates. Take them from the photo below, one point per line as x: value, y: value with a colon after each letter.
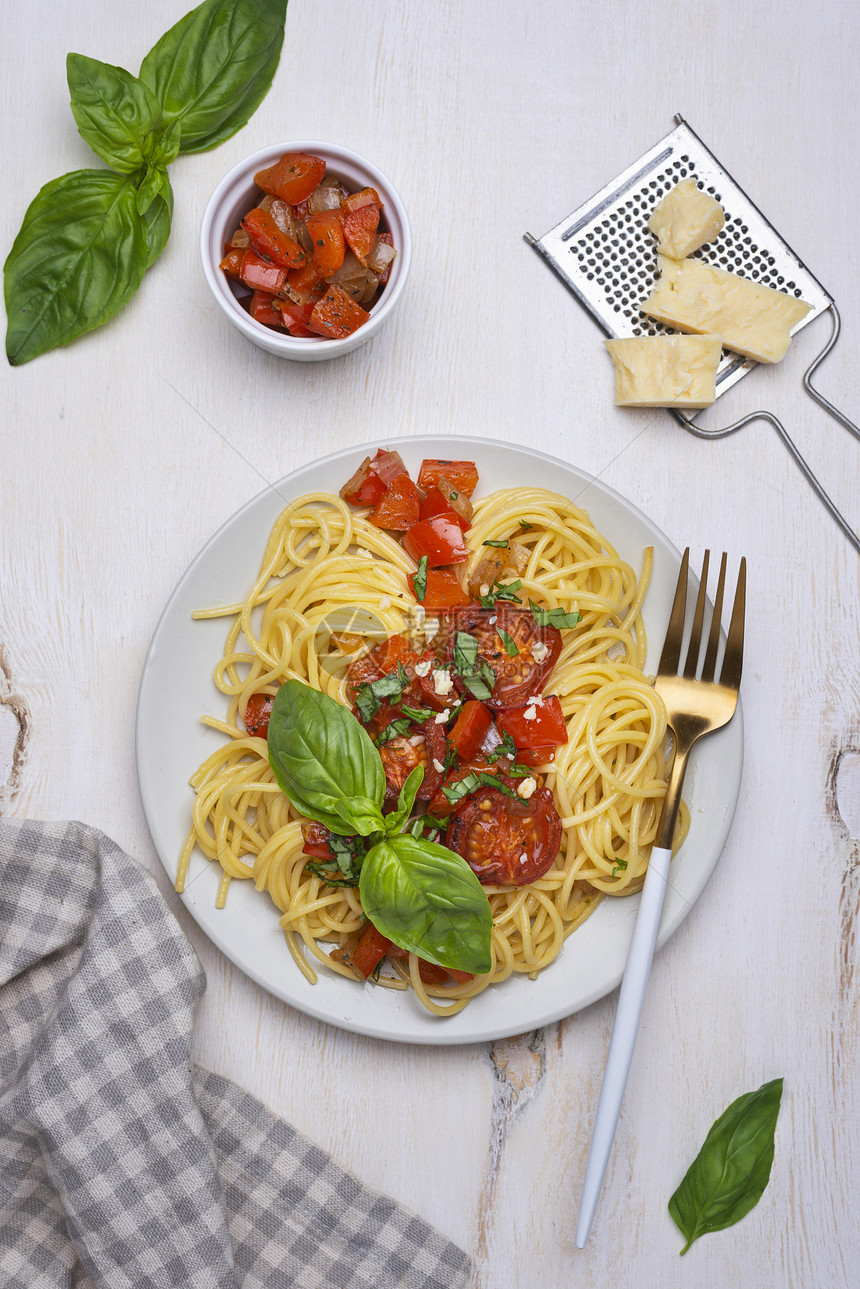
x: 330, y: 578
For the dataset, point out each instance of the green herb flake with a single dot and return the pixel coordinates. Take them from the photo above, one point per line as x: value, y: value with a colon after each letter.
x: 508, y: 641
x: 524, y: 523
x: 501, y: 591
x: 502, y: 545
x: 620, y: 866
x: 419, y: 582
x: 455, y: 792
x: 554, y: 617
x: 395, y: 729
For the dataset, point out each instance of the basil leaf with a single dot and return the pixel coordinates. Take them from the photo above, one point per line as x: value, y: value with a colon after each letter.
x: 79, y: 256
x: 212, y: 70
x: 508, y: 641
x: 554, y: 617
x: 321, y: 756
x: 465, y: 651
x: 419, y: 581
x: 491, y: 781
x: 162, y: 147
x: 419, y: 714
x: 728, y: 1176
x: 481, y: 684
x: 361, y: 814
x: 369, y: 695
x: 156, y: 221
x: 620, y: 866
x: 503, y: 545
x: 154, y: 180
x: 405, y: 801
x: 501, y: 591
x: 116, y: 114
x: 456, y: 791
x: 428, y: 901
x: 394, y: 729
x: 524, y: 523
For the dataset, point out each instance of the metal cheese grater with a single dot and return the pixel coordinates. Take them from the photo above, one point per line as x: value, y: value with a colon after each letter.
x: 605, y: 253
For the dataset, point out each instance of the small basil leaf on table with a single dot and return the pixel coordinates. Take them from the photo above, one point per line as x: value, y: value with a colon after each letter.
x: 151, y: 185
x: 405, y: 801
x: 213, y: 68
x: 80, y: 255
x: 116, y: 114
x: 428, y: 901
x: 728, y: 1176
x: 156, y: 222
x: 321, y: 755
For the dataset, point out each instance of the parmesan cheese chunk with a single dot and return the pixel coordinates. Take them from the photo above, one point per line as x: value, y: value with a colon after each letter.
x: 752, y: 319
x: 685, y: 219
x: 665, y: 371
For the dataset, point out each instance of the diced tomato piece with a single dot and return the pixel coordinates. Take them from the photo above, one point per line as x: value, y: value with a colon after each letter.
x: 359, y: 230
x: 260, y: 274
x: 535, y: 756
x: 365, y: 197
x: 470, y: 728
x: 262, y: 309
x: 257, y: 711
x: 388, y: 465
x: 439, y: 538
x: 232, y: 263
x: 293, y: 178
x: 305, y: 279
x: 337, y: 315
x: 370, y: 950
x: 443, y: 496
x: 398, y: 507
x: 296, y: 318
x: 326, y: 230
x: 316, y: 841
x: 462, y: 475
x: 443, y: 590
x: 365, y: 487
x: 546, y: 728
x: 269, y: 241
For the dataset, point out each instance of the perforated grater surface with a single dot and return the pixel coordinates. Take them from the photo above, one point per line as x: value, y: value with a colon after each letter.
x: 606, y: 254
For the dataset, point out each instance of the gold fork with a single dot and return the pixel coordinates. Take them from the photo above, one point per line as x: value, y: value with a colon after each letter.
x: 695, y: 707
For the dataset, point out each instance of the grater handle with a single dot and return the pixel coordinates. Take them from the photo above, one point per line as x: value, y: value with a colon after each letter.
x: 815, y: 364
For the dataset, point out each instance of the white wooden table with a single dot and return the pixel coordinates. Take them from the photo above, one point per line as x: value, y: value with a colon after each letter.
x: 124, y: 452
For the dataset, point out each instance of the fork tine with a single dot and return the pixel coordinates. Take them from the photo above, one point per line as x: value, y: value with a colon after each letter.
x: 734, y: 656
x: 698, y: 618
x: 670, y: 657
x: 714, y: 635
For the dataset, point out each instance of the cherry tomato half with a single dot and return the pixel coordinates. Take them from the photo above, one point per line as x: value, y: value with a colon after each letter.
x: 423, y: 745
x: 520, y: 677
x: 506, y: 841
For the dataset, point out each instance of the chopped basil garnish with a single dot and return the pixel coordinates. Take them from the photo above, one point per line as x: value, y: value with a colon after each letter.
x: 490, y: 781
x: 501, y: 591
x: 620, y: 866
x: 508, y: 641
x: 349, y: 854
x: 554, y: 617
x: 507, y: 747
x: 418, y: 714
x: 369, y: 696
x: 524, y: 523
x: 465, y: 651
x: 501, y: 545
x: 457, y: 791
x: 419, y: 582
x: 394, y: 729
x: 481, y: 684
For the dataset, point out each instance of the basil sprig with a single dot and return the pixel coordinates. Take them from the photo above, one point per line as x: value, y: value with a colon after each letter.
x: 88, y: 237
x: 554, y: 617
x: 421, y: 895
x: 728, y: 1176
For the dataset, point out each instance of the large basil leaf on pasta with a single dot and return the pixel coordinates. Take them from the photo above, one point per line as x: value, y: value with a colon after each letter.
x: 728, y: 1176
x: 322, y: 757
x: 212, y: 70
x: 428, y: 901
x: 80, y: 255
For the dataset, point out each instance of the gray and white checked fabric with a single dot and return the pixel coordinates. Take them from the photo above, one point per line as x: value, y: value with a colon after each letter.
x: 121, y: 1166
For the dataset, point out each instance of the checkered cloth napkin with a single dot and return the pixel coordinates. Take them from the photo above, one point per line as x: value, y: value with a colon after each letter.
x: 121, y: 1166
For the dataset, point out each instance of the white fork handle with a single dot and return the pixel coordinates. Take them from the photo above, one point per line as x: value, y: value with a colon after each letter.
x: 624, y: 1031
